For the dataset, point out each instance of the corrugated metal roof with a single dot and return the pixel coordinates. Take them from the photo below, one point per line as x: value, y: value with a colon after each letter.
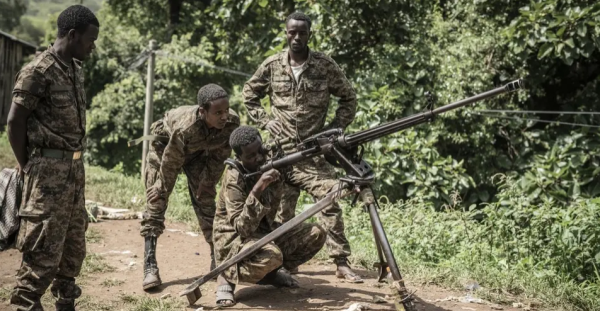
x: 17, y: 39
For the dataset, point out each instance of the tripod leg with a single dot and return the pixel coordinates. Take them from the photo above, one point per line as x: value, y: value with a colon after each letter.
x: 382, y: 265
x: 404, y: 301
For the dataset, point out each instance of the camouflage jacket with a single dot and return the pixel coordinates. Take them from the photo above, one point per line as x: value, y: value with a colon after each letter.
x: 300, y: 106
x: 53, y: 91
x: 241, y: 216
x: 189, y: 137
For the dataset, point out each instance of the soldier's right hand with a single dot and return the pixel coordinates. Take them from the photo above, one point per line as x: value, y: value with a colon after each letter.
x: 274, y: 127
x: 266, y: 179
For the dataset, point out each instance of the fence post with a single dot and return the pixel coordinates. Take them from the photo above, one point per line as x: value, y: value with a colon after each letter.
x: 148, y: 116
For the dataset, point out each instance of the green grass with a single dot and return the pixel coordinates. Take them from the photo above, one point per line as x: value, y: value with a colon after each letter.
x: 92, y: 235
x: 145, y: 303
x: 119, y: 191
x: 5, y: 294
x: 450, y: 249
x: 7, y: 158
x: 112, y: 282
x: 94, y: 263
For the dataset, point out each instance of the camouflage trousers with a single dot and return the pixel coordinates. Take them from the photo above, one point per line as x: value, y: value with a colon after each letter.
x: 317, y: 177
x: 292, y: 249
x: 153, y: 222
x: 52, y: 232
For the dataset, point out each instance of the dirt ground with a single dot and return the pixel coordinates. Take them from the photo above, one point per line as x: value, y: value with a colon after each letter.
x: 183, y: 256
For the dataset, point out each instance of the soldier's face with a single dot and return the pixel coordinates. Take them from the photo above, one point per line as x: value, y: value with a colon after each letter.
x: 253, y: 155
x: 217, y: 114
x: 84, y: 43
x: 297, y: 33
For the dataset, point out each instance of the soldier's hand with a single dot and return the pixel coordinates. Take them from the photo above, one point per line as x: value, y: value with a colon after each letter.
x: 265, y: 179
x: 274, y: 127
x: 153, y: 195
x: 206, y: 189
x: 268, y: 177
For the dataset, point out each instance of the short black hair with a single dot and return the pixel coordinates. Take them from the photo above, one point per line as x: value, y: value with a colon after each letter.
x: 299, y: 16
x: 241, y: 137
x: 208, y: 93
x: 75, y: 17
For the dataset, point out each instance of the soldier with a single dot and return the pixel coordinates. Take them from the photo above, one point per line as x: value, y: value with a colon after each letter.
x: 46, y: 129
x: 195, y: 139
x: 246, y: 212
x: 299, y: 83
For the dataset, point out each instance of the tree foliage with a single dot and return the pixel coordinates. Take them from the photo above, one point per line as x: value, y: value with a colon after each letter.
x: 10, y: 13
x: 393, y: 52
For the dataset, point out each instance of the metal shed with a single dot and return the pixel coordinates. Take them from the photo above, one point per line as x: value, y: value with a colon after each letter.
x: 12, y: 54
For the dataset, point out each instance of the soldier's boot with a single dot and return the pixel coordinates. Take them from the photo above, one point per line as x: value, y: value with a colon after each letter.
x: 65, y: 291
x: 26, y: 301
x: 151, y: 276
x: 65, y: 306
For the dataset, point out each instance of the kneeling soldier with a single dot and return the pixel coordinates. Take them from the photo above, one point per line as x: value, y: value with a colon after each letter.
x: 246, y: 211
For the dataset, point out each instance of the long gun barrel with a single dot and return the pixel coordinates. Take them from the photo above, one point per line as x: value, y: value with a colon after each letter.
x: 334, y: 141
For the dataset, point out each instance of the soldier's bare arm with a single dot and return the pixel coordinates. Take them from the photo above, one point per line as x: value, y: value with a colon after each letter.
x: 339, y: 86
x: 17, y: 132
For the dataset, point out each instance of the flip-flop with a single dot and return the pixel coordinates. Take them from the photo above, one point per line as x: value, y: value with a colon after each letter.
x: 279, y: 279
x: 225, y: 293
x: 350, y: 277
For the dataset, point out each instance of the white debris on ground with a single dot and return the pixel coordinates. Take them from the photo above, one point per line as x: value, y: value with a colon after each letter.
x: 96, y: 210
x: 357, y: 307
x: 194, y: 234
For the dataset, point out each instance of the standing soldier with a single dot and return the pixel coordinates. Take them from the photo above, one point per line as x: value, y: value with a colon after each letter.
x: 46, y: 129
x: 299, y: 83
x: 195, y: 139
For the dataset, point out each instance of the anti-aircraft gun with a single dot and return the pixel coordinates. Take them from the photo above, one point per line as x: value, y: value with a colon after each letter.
x: 345, y: 151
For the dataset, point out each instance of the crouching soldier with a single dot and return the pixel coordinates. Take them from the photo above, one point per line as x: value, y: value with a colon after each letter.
x: 195, y: 139
x: 246, y: 211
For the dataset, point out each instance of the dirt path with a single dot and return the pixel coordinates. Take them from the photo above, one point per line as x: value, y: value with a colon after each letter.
x: 182, y: 256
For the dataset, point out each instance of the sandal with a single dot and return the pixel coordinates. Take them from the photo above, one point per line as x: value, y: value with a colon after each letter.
x: 279, y: 279
x: 349, y: 276
x: 225, y: 296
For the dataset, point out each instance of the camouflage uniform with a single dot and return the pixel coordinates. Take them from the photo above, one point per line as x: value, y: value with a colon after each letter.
x: 301, y: 107
x: 242, y: 219
x: 53, y: 215
x: 196, y: 149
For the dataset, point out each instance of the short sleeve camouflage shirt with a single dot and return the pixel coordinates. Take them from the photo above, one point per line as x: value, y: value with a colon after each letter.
x: 53, y: 91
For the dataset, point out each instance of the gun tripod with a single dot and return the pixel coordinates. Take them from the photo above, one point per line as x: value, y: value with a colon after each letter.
x: 403, y: 301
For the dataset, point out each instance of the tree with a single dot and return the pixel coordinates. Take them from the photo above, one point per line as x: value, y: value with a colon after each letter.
x: 10, y: 13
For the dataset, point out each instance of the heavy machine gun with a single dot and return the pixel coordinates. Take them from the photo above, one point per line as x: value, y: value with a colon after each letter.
x: 345, y: 151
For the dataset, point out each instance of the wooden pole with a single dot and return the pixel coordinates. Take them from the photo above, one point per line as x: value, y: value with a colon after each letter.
x: 148, y: 117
